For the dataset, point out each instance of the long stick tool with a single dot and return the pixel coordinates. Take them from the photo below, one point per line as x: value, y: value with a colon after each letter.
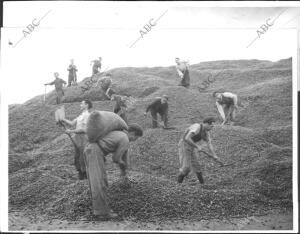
x: 59, y: 115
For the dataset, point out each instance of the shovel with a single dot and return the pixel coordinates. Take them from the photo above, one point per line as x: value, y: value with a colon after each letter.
x: 59, y: 115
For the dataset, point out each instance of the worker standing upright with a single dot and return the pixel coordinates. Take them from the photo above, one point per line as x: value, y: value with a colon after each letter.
x: 58, y: 83
x: 80, y: 136
x: 182, y: 68
x: 96, y: 66
x: 72, y: 69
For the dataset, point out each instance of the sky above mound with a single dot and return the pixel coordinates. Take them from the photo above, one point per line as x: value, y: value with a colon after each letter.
x: 109, y: 30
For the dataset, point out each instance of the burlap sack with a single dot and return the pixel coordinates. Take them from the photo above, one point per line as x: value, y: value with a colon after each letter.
x: 101, y: 123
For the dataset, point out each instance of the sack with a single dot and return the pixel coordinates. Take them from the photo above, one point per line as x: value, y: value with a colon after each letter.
x: 60, y: 114
x: 101, y: 123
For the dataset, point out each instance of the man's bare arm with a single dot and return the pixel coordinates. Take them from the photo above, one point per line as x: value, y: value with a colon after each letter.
x: 51, y: 83
x: 72, y: 123
x: 76, y: 131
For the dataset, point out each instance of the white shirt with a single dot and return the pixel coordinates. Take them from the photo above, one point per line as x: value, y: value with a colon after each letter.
x: 195, y: 128
x: 81, y: 120
x: 231, y: 95
x: 181, y: 67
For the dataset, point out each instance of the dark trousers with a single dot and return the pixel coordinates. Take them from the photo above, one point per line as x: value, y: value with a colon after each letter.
x: 164, y: 118
x: 79, y: 160
x: 72, y: 79
x: 186, y: 79
x: 96, y: 173
x: 229, y: 110
x: 59, y: 94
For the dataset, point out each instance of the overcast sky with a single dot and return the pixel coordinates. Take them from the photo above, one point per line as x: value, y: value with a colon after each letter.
x: 87, y: 30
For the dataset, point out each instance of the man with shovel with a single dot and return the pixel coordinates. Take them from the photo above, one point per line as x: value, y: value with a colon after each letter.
x: 80, y: 136
x: 159, y: 106
x: 189, y: 146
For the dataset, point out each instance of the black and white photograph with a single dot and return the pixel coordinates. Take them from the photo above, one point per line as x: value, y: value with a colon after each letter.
x: 149, y: 116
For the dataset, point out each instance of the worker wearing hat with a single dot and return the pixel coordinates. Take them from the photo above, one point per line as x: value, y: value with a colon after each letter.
x: 159, y: 106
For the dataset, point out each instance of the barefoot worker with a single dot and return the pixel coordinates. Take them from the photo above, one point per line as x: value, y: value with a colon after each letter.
x: 190, y: 144
x: 227, y: 105
x: 72, y: 69
x: 80, y: 136
x: 116, y: 143
x: 182, y: 68
x: 159, y: 106
x: 58, y: 83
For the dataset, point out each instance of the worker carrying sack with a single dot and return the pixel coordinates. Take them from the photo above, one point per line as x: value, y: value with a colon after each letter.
x: 101, y: 123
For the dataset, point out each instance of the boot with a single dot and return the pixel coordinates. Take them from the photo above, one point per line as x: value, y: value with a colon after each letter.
x: 180, y: 178
x: 82, y: 175
x: 200, y: 178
